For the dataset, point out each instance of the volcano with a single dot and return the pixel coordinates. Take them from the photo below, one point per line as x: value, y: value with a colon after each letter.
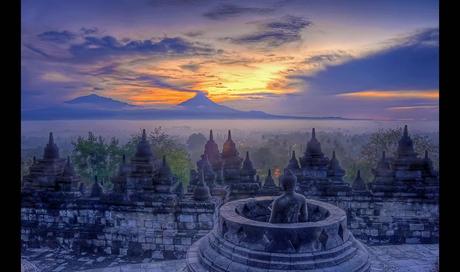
x: 98, y: 107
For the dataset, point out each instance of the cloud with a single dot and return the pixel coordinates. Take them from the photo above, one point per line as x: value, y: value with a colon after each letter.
x: 89, y: 31
x: 191, y: 67
x: 193, y: 34
x: 412, y: 108
x: 113, y: 74
x: 162, y: 82
x: 327, y: 59
x: 225, y: 11
x: 379, y: 94
x: 57, y: 36
x: 274, y: 33
x: 94, y: 48
x: 411, y: 64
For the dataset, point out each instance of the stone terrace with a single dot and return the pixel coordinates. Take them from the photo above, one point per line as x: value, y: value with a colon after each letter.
x: 392, y: 258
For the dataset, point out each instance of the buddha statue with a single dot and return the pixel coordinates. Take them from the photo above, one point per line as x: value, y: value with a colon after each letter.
x: 290, y: 207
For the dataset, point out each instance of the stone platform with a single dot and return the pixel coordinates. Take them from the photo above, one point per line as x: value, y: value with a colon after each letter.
x: 391, y: 258
x: 244, y: 240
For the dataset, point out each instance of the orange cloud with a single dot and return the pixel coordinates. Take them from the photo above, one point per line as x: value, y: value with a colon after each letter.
x: 408, y: 108
x: 379, y: 94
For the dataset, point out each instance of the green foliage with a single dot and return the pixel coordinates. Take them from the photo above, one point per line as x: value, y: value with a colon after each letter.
x: 93, y: 156
x: 164, y: 144
x: 387, y: 140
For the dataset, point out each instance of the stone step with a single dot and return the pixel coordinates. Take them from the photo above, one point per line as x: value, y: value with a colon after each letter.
x: 220, y: 257
x: 237, y: 252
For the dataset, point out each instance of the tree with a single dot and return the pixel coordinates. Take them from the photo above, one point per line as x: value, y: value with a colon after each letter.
x: 195, y: 144
x: 387, y: 140
x: 93, y: 156
x: 196, y: 141
x: 164, y: 144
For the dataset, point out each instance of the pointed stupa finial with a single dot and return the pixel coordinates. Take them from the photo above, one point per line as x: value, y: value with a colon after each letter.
x: 51, y: 150
x: 405, y: 131
x: 51, y: 139
x: 144, y: 135
x: 269, y: 172
x: 201, y: 192
x: 229, y: 135
x: 211, y: 136
x: 202, y: 177
x: 333, y: 154
x: 359, y: 185
x: 293, y: 155
x: 313, y: 133
x: 247, y: 155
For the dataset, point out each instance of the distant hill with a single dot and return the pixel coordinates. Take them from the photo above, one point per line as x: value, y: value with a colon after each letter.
x: 99, y: 101
x: 98, y: 107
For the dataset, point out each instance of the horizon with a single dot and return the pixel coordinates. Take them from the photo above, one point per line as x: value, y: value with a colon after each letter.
x: 357, y: 59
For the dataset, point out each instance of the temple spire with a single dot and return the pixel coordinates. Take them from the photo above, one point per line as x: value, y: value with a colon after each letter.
x: 68, y: 169
x: 293, y: 163
x: 333, y: 154
x: 211, y: 137
x: 405, y: 146
x: 247, y: 163
x: 269, y: 182
x: 313, y: 146
x: 201, y: 192
x: 51, y: 150
x: 165, y: 170
x: 358, y: 184
x: 143, y: 147
x: 229, y: 148
x: 51, y: 139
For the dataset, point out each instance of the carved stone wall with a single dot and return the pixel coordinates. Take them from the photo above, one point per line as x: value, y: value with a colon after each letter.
x: 157, y: 230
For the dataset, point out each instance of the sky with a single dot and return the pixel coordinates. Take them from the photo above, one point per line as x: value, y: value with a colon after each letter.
x: 355, y: 58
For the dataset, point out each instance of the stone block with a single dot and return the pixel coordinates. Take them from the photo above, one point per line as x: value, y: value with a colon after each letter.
x: 413, y: 227
x: 413, y: 240
x: 186, y: 218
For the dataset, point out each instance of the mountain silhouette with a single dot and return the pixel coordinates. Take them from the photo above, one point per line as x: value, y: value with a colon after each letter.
x: 98, y: 107
x: 200, y: 102
x: 99, y: 101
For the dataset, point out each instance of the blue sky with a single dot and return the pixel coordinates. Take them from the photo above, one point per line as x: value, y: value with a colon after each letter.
x: 367, y: 59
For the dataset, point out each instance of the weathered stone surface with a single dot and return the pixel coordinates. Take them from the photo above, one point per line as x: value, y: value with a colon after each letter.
x: 241, y: 243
